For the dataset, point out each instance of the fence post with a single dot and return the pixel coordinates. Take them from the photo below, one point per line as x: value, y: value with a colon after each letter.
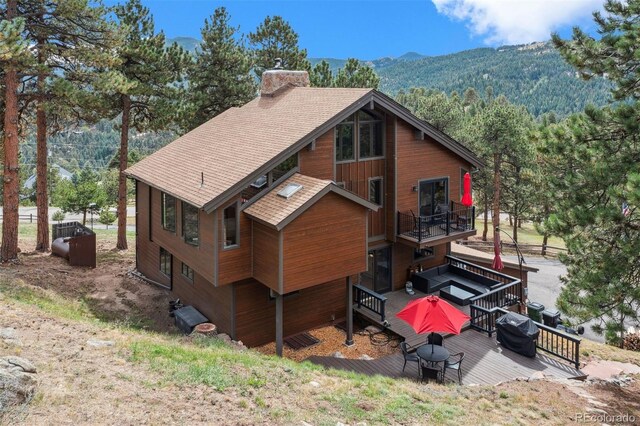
x: 30, y: 217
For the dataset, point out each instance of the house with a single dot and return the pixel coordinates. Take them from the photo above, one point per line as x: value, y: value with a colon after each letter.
x: 265, y: 217
x: 62, y: 172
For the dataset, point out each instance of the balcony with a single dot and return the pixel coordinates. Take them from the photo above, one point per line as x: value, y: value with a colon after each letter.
x: 422, y: 231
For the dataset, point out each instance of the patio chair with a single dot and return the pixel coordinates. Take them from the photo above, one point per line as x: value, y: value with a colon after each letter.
x: 409, y: 357
x: 454, y: 363
x: 432, y: 373
x: 435, y: 339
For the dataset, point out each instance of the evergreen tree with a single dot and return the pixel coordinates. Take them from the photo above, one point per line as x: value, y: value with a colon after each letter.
x: 321, y: 75
x: 13, y: 54
x: 275, y: 38
x: 72, y: 40
x: 355, y: 74
x: 146, y: 90
x: 82, y: 194
x: 597, y: 185
x: 220, y: 77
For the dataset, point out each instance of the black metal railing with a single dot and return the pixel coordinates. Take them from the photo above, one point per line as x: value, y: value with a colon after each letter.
x: 458, y: 219
x: 485, y: 272
x: 550, y: 340
x: 501, y: 297
x: 69, y: 229
x: 370, y: 300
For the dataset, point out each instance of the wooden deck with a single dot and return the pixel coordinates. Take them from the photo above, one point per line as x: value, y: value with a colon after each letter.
x: 485, y: 362
x: 396, y: 301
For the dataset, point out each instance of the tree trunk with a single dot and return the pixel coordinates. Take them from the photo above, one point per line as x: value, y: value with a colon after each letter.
x: 84, y: 217
x: 510, y: 220
x: 42, y: 199
x: 495, y: 214
x: 515, y: 228
x: 545, y: 237
x: 486, y: 218
x: 122, y: 180
x: 11, y: 179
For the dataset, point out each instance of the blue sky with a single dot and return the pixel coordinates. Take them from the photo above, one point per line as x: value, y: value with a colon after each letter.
x: 369, y: 29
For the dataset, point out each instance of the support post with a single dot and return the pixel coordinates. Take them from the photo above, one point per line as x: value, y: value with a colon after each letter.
x: 349, y: 340
x: 279, y: 325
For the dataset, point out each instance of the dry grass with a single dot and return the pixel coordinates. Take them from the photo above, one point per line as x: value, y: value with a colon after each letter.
x: 593, y: 350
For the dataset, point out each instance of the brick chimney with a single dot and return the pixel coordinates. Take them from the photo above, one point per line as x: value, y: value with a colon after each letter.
x: 277, y: 78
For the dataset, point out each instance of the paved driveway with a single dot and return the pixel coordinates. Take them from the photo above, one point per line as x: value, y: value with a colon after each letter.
x: 544, y: 286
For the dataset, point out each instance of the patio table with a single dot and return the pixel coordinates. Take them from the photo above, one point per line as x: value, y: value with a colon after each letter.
x: 432, y: 353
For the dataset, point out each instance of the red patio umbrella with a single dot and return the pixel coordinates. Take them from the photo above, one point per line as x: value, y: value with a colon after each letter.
x: 467, y: 201
x: 497, y: 261
x: 434, y: 315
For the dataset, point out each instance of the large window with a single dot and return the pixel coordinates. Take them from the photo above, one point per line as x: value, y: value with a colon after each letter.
x: 434, y: 199
x: 190, y: 224
x: 165, y: 262
x: 345, y: 147
x: 168, y: 212
x: 187, y: 272
x: 375, y: 190
x: 370, y: 135
x: 231, y: 226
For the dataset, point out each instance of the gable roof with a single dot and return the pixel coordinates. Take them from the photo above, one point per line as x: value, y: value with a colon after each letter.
x: 277, y: 212
x: 208, y: 165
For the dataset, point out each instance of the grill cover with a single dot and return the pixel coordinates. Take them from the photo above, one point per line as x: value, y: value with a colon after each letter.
x: 517, y: 333
x: 187, y: 318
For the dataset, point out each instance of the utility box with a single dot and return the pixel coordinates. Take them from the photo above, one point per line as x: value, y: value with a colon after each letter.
x: 187, y: 318
x: 534, y: 311
x: 551, y: 318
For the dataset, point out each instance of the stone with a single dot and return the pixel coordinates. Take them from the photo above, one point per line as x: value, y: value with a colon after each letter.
x: 10, y: 336
x: 365, y: 357
x: 100, y: 343
x: 372, y: 329
x: 17, y: 380
x: 224, y: 337
x: 337, y: 354
x: 314, y: 384
x: 538, y: 375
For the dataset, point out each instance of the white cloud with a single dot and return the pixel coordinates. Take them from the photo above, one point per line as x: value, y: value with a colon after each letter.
x: 517, y: 21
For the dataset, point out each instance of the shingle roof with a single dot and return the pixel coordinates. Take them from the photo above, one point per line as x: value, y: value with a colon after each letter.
x: 237, y: 143
x: 272, y: 209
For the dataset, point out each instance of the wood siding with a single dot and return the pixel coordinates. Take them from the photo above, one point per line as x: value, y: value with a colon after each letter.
x: 319, y: 162
x: 201, y: 256
x: 310, y: 308
x: 423, y: 159
x: 328, y: 241
x: 215, y: 303
x: 390, y: 178
x: 266, y: 249
x: 402, y: 260
x: 355, y: 176
x: 147, y: 251
x: 234, y: 264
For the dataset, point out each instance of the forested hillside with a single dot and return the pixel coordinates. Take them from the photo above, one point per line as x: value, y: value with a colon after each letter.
x: 532, y: 75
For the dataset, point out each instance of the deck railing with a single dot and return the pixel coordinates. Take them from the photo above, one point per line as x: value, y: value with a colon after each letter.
x: 370, y: 300
x: 501, y: 297
x: 458, y: 219
x: 550, y: 340
x: 485, y: 272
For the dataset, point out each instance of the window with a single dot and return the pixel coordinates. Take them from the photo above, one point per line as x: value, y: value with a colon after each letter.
x: 190, y: 224
x: 165, y: 262
x: 168, y: 212
x: 423, y: 253
x: 345, y: 148
x: 434, y: 199
x: 375, y: 190
x: 187, y: 272
x: 370, y: 135
x: 231, y: 226
x: 285, y: 167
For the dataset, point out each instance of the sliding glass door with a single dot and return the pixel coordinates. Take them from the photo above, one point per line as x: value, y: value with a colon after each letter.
x: 434, y: 196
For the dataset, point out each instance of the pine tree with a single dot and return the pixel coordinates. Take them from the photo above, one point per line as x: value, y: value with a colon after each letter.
x: 13, y: 54
x: 321, y: 75
x: 275, y: 38
x: 354, y: 74
x: 146, y: 89
x: 72, y: 39
x: 220, y: 77
x: 596, y: 186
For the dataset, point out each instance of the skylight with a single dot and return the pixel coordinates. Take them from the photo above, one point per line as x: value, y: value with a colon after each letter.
x: 289, y: 190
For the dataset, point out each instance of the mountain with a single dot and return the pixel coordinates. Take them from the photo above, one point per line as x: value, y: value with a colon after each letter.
x: 533, y: 75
